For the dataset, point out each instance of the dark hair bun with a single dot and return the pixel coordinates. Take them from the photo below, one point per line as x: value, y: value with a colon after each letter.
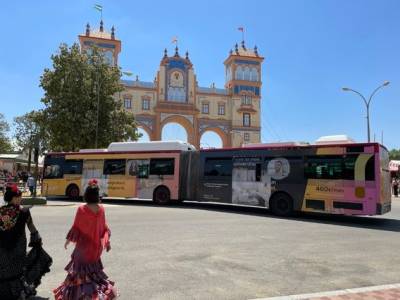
x: 11, y: 192
x: 92, y: 194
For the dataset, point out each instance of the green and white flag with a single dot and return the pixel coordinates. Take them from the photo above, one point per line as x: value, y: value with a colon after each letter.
x: 98, y: 7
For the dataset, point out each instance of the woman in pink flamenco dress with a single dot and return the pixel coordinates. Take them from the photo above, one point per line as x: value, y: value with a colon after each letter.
x: 86, y: 279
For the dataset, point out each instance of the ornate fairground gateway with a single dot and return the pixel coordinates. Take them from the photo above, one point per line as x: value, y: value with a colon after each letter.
x: 232, y: 112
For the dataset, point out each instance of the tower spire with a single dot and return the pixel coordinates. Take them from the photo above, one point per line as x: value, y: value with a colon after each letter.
x: 112, y: 33
x: 176, y: 52
x: 87, y: 29
x: 256, y: 50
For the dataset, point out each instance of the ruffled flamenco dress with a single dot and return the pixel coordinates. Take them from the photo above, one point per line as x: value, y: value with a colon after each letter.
x: 20, y: 273
x: 86, y: 279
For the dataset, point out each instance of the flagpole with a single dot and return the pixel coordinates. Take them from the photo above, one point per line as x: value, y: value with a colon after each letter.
x: 99, y: 8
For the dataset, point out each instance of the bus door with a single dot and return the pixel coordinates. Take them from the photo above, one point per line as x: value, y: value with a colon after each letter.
x: 151, y: 173
x: 93, y: 168
x: 216, y: 180
x: 248, y: 188
x: 138, y: 172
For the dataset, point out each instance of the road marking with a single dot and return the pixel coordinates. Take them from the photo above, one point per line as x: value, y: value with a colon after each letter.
x: 333, y: 293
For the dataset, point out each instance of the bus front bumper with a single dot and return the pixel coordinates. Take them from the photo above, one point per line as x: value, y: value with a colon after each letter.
x: 383, y: 208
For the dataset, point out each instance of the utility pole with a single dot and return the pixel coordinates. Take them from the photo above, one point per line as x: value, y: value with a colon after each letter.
x: 36, y: 159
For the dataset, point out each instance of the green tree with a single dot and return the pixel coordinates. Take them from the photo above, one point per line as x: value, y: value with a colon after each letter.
x: 5, y: 144
x: 30, y: 131
x: 394, y: 154
x: 79, y: 92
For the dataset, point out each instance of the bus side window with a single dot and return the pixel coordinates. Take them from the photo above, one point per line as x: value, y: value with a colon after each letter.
x: 349, y: 163
x: 370, y: 169
x: 138, y: 168
x: 323, y: 167
x: 162, y: 166
x: 114, y: 167
x: 219, y: 166
x: 73, y: 167
x: 54, y: 167
x: 52, y: 171
x: 258, y: 172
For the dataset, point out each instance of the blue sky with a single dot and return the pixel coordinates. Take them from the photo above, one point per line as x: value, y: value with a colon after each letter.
x: 311, y: 50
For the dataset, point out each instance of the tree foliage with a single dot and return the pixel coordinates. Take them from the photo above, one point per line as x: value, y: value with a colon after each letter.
x: 30, y: 130
x: 79, y: 90
x: 5, y: 144
x: 394, y: 154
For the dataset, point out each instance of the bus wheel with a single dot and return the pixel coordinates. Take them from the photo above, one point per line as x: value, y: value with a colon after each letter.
x: 73, y: 192
x: 161, y: 195
x: 281, y: 204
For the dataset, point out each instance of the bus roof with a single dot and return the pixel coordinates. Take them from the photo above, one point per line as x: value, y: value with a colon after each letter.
x: 150, y: 146
x: 290, y: 145
x: 135, y: 147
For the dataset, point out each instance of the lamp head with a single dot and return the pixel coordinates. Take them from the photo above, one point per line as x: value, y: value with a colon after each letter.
x: 127, y: 73
x: 345, y: 89
x: 386, y: 82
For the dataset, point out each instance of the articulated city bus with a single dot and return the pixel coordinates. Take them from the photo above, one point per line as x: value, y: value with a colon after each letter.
x: 335, y: 178
x: 349, y: 179
x: 129, y: 170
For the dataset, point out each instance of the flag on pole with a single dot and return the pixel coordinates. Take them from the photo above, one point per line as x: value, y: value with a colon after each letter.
x: 98, y: 7
x: 241, y: 29
x: 175, y: 40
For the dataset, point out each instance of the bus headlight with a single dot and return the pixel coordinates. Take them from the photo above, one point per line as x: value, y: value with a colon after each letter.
x: 360, y: 192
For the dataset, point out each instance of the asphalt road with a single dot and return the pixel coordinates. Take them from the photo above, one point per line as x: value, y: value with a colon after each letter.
x: 203, y: 251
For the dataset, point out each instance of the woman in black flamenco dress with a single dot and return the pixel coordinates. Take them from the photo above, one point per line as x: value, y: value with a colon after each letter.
x: 20, y: 273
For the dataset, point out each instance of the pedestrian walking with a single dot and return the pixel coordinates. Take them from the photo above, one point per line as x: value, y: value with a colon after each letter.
x: 31, y: 183
x: 91, y: 234
x: 20, y: 274
x: 395, y: 187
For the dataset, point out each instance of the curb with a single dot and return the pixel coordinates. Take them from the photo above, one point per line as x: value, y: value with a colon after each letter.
x: 333, y: 293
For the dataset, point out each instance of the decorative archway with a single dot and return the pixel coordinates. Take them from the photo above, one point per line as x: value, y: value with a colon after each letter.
x: 185, y: 123
x: 174, y: 131
x: 146, y: 129
x: 222, y: 135
x: 146, y: 134
x: 210, y: 139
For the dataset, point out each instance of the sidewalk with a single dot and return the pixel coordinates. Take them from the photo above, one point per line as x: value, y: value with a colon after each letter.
x: 381, y: 292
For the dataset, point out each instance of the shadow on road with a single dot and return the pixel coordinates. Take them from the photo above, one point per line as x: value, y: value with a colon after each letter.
x: 376, y: 223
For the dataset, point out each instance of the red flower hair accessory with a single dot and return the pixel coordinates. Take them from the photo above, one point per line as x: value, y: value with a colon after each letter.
x: 93, y: 182
x: 12, y: 187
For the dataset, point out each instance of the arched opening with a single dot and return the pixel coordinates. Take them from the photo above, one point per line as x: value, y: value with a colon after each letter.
x: 174, y: 131
x: 239, y: 74
x: 145, y: 136
x: 246, y: 74
x: 210, y: 139
x: 182, y: 129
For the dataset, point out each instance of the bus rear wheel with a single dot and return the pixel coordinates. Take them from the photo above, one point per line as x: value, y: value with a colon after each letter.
x: 73, y: 192
x: 161, y: 195
x: 281, y: 204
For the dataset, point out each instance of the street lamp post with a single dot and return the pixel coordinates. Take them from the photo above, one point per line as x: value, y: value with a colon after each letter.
x: 367, y: 103
x: 97, y: 59
x: 98, y: 107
